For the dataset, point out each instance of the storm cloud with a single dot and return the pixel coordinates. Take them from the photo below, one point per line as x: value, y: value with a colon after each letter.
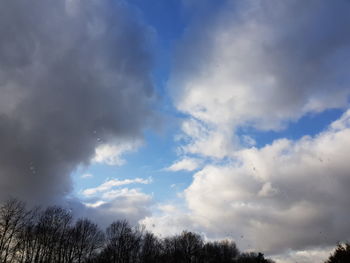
x: 73, y: 75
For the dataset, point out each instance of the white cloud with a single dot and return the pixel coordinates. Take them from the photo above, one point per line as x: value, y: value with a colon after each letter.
x: 87, y: 175
x: 106, y: 186
x: 168, y: 220
x: 186, y: 164
x: 111, y: 154
x: 286, y: 199
x: 125, y: 203
x: 124, y: 193
x: 295, y: 190
x: 206, y: 140
x: 305, y: 256
x: 95, y: 204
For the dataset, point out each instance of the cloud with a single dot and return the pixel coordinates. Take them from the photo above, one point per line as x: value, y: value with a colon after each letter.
x: 74, y: 75
x: 111, y: 154
x: 186, y: 164
x: 106, y: 186
x: 206, y: 140
x: 125, y: 203
x: 87, y: 175
x: 168, y: 220
x: 252, y: 63
x: 297, y: 190
x: 262, y: 65
x: 305, y: 256
x: 287, y: 199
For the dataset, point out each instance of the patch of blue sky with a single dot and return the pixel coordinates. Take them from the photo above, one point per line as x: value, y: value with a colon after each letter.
x: 310, y: 124
x: 149, y: 161
x: 168, y: 21
x: 166, y: 17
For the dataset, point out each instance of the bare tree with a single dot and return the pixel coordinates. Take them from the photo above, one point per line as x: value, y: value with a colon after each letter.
x: 87, y: 240
x: 223, y: 251
x: 50, y: 233
x: 12, y: 219
x: 51, y: 236
x: 123, y: 242
x: 253, y: 257
x: 151, y: 248
x: 190, y: 245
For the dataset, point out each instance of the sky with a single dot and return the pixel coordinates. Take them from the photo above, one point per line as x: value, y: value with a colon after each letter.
x: 230, y: 118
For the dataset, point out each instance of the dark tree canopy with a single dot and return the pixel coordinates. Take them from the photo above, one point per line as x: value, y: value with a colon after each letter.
x: 51, y: 235
x: 341, y: 254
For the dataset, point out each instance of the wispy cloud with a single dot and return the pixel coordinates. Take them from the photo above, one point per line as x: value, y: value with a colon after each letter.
x: 87, y: 175
x: 108, y: 185
x: 186, y: 164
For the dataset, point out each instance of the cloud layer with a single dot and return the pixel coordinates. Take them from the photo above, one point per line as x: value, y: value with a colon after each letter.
x: 265, y: 64
x: 260, y: 64
x: 297, y: 190
x: 287, y: 196
x: 73, y: 76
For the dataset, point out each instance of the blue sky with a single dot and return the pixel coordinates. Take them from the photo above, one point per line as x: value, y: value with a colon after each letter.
x: 230, y: 118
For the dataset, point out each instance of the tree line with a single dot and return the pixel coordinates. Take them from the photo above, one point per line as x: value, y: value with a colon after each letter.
x: 51, y: 235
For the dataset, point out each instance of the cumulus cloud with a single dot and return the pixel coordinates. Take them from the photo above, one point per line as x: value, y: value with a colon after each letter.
x: 264, y: 64
x: 295, y: 189
x: 261, y: 64
x: 74, y: 75
x: 288, y: 199
x: 106, y: 186
x: 168, y: 220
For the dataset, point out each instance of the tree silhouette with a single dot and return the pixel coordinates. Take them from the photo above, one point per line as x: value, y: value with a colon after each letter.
x: 221, y: 252
x: 341, y: 254
x: 151, y: 248
x: 253, y: 258
x: 51, y: 235
x: 12, y: 218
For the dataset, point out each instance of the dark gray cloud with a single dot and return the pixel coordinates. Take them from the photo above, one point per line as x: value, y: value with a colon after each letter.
x: 73, y: 74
